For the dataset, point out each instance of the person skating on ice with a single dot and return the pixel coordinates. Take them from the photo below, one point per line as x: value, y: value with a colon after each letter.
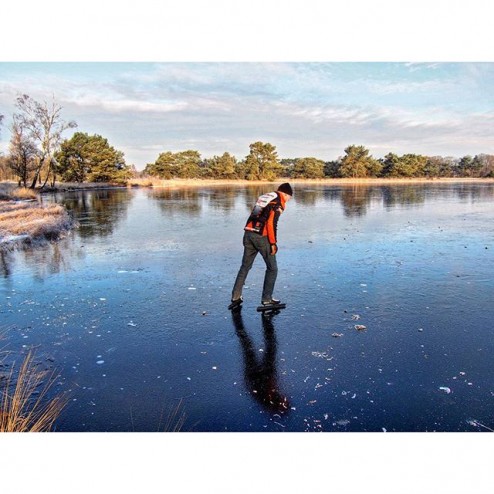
x: 260, y: 236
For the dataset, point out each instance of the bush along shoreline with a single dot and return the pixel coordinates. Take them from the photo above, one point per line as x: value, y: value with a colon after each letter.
x: 24, y: 222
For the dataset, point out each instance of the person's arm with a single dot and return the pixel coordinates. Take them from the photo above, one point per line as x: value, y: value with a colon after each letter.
x: 271, y: 227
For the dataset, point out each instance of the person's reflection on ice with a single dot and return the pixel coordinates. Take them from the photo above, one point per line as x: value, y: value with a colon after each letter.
x: 260, y: 367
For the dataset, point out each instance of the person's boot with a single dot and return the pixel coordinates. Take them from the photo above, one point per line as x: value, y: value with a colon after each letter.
x: 236, y: 304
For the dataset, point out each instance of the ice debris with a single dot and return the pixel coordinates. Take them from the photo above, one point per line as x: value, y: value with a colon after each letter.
x: 445, y: 389
x: 342, y: 422
x: 360, y: 327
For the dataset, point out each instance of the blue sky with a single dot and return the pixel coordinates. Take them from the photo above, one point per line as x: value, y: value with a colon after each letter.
x: 303, y: 108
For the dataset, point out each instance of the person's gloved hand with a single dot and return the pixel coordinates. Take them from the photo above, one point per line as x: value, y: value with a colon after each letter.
x: 274, y: 249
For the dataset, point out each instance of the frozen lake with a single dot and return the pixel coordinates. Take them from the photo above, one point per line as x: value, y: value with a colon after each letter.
x: 131, y: 310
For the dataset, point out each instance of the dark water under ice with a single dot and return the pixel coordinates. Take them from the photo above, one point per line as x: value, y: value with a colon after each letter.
x: 131, y: 311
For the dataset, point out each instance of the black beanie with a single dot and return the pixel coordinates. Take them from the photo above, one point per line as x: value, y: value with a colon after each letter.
x: 286, y: 188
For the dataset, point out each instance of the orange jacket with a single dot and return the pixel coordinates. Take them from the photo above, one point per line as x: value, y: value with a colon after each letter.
x: 266, y: 223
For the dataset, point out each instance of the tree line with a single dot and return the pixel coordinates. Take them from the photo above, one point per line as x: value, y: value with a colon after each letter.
x: 39, y: 156
x: 262, y: 163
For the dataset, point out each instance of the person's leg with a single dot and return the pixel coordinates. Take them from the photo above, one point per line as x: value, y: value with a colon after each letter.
x: 250, y: 253
x: 271, y: 268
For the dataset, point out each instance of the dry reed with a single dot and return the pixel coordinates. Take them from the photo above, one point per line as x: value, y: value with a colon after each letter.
x: 27, y: 408
x: 10, y: 192
x: 24, y: 194
x: 145, y: 182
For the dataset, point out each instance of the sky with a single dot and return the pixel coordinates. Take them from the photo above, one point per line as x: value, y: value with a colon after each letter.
x: 303, y: 108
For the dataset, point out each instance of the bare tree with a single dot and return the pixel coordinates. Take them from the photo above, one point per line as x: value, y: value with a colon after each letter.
x: 23, y: 153
x: 43, y: 125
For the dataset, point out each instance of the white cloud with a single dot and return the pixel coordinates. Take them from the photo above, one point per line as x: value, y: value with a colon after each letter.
x: 408, y: 87
x: 118, y: 106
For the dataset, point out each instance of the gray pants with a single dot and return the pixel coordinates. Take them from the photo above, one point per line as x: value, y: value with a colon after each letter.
x: 254, y: 244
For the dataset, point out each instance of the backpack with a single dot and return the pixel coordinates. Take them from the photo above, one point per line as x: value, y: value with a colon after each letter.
x: 260, y: 212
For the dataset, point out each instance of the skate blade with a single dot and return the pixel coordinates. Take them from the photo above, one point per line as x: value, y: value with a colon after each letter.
x: 269, y: 308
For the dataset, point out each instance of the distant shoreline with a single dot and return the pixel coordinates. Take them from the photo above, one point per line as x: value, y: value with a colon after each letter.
x: 323, y: 181
x: 196, y: 182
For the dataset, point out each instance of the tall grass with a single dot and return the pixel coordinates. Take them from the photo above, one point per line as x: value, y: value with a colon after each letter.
x: 24, y: 405
x: 24, y: 194
x: 145, y: 182
x: 10, y: 192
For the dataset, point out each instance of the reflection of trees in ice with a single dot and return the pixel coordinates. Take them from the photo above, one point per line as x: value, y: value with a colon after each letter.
x: 6, y: 263
x: 356, y: 198
x: 178, y: 201
x: 221, y: 198
x: 42, y: 261
x: 402, y: 195
x: 98, y: 211
x: 195, y: 200
x: 479, y: 191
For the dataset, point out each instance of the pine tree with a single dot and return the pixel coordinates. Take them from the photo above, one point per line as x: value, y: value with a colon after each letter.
x: 91, y: 158
x: 262, y: 162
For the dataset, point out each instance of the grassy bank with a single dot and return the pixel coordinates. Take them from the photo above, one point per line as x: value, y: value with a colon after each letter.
x: 24, y: 221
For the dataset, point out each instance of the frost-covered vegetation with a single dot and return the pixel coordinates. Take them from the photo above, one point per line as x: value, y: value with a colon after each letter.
x: 24, y: 221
